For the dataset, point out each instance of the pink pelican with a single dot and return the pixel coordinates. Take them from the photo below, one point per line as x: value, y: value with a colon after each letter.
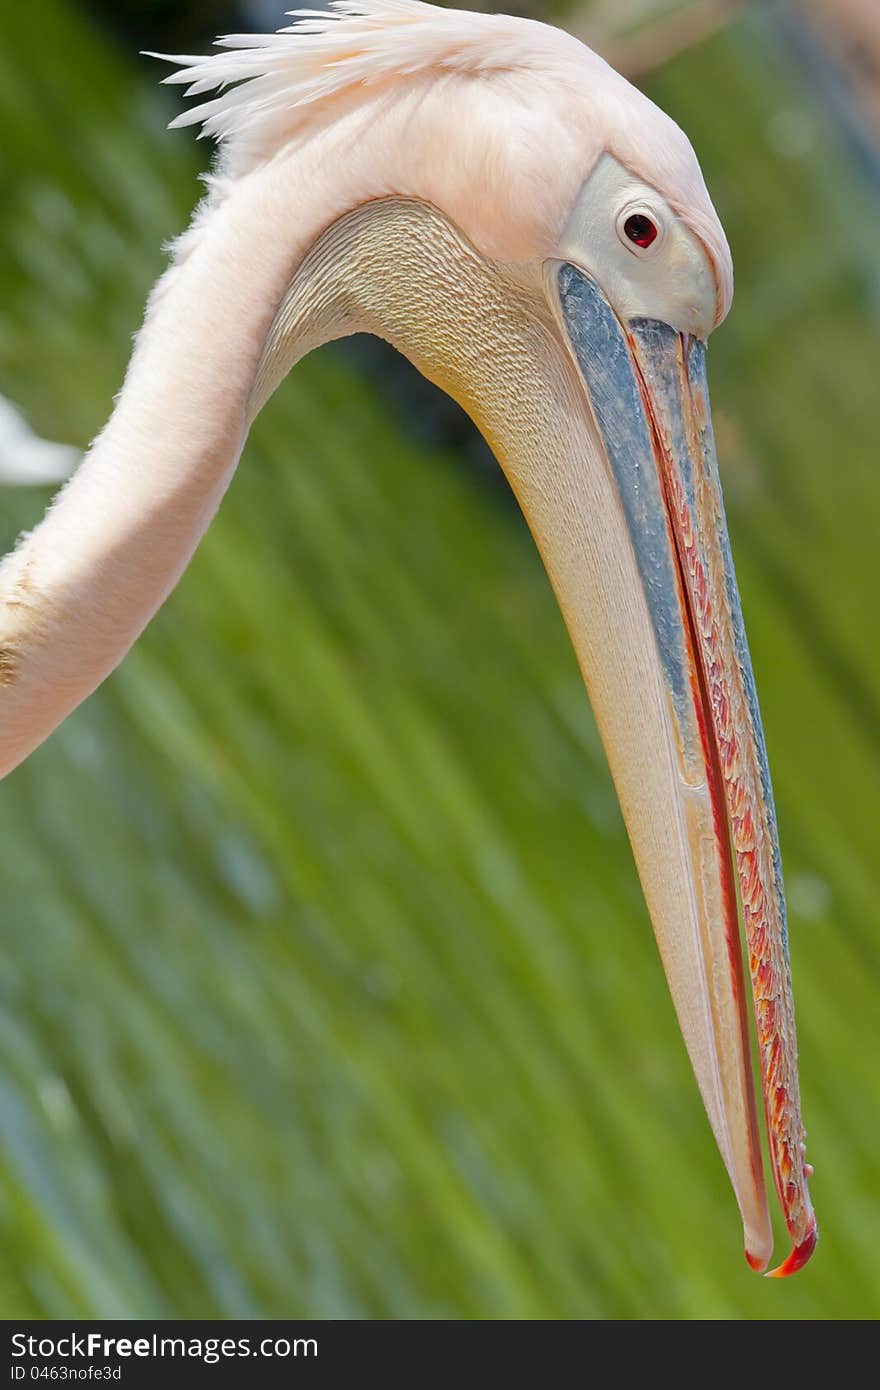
x: 535, y: 235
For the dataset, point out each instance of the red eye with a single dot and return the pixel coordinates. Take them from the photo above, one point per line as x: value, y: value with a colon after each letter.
x: 640, y: 229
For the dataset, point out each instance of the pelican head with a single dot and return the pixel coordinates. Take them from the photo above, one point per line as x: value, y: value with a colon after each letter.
x: 536, y: 236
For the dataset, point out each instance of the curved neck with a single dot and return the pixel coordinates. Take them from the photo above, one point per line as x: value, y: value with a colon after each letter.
x: 280, y: 266
x: 77, y: 591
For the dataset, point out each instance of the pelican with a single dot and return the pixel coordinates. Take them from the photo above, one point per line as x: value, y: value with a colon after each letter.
x: 535, y: 235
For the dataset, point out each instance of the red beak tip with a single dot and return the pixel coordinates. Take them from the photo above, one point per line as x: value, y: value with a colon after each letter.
x: 799, y: 1255
x: 756, y: 1262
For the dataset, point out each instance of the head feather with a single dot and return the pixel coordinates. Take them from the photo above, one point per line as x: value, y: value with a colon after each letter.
x: 272, y: 90
x: 269, y: 85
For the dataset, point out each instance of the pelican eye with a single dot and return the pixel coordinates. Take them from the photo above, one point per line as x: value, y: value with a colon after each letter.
x: 640, y: 230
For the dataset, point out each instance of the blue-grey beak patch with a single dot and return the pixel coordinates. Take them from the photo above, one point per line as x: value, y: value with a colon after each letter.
x: 600, y: 345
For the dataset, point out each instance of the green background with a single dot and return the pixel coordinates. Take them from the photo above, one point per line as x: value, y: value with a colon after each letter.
x: 326, y: 984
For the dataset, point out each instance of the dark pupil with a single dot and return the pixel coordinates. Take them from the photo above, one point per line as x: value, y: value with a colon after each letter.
x: 640, y: 229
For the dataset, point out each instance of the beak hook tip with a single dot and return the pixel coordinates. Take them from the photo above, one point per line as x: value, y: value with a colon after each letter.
x: 798, y: 1256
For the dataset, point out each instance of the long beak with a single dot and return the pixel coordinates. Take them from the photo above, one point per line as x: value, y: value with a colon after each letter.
x: 646, y: 384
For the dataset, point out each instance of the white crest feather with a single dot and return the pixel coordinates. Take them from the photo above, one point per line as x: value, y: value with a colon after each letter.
x: 269, y: 84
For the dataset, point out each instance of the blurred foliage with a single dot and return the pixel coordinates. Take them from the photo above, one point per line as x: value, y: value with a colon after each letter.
x: 327, y: 986
x: 177, y: 24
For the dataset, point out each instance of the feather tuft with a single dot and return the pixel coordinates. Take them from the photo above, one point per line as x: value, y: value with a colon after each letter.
x: 268, y: 85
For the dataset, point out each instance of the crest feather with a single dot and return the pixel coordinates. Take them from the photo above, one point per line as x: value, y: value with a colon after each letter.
x: 268, y: 85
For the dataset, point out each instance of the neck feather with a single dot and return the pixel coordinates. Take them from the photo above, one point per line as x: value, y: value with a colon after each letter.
x: 79, y: 589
